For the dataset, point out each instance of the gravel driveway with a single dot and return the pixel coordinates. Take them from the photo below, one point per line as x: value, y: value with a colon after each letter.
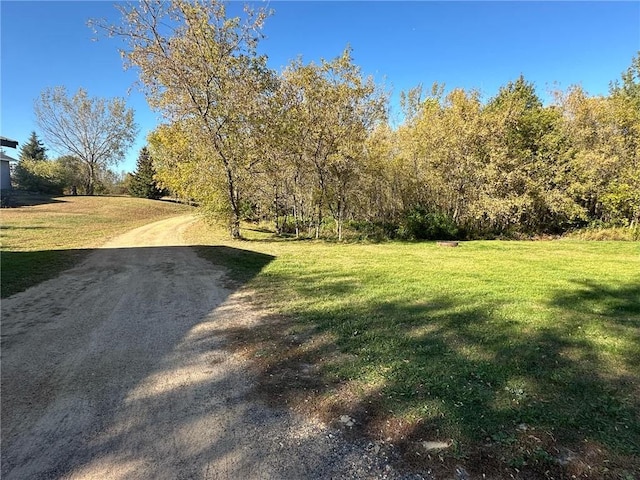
x: 115, y: 370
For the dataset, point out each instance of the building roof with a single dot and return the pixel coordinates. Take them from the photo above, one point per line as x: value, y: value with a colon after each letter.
x: 7, y: 142
x: 6, y: 158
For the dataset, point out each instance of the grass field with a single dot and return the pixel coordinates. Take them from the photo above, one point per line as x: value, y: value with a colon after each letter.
x: 521, y: 357
x: 48, y: 236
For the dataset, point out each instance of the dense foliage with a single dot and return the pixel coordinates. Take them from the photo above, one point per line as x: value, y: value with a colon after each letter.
x: 42, y: 176
x: 311, y: 150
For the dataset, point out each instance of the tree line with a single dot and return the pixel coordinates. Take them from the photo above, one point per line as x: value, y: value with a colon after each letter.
x: 311, y: 148
x: 35, y: 172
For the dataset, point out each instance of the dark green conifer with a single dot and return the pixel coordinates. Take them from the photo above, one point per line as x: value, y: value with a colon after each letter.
x: 33, y: 149
x: 142, y: 182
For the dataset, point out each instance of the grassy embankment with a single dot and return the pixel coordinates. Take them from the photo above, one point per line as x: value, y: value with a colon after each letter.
x: 43, y: 239
x: 521, y: 356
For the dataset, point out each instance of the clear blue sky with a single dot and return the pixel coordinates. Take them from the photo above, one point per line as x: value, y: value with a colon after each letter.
x: 461, y: 44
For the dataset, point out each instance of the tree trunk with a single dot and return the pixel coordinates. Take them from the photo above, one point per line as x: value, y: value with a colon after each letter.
x: 234, y: 226
x: 295, y: 217
x: 318, y: 219
x: 234, y: 199
x: 275, y: 210
x: 339, y: 218
x: 91, y: 180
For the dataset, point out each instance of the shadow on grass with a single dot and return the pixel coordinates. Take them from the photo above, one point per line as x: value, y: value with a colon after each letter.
x: 543, y: 401
x: 261, y: 230
x: 112, y: 369
x: 241, y: 265
x: 20, y: 198
x: 21, y: 270
x: 553, y: 401
x: 591, y: 298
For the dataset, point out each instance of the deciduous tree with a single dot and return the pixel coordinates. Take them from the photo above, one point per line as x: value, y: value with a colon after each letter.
x: 526, y: 187
x: 334, y: 110
x: 199, y: 67
x: 97, y: 131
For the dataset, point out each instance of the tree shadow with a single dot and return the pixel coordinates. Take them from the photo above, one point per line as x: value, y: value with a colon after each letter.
x: 21, y: 198
x: 241, y: 265
x: 544, y: 402
x: 14, y: 227
x: 21, y: 270
x: 619, y: 303
x: 555, y: 399
x: 112, y: 369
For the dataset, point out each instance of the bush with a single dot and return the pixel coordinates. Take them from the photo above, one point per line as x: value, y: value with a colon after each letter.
x: 6, y: 199
x: 422, y: 224
x: 40, y: 176
x: 373, y: 231
x: 603, y: 233
x: 288, y: 226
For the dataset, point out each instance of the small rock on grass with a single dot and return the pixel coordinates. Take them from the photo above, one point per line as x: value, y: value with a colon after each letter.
x: 347, y: 420
x: 435, y: 445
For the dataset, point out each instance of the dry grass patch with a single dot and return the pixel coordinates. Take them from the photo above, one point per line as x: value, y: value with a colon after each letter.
x: 52, y: 234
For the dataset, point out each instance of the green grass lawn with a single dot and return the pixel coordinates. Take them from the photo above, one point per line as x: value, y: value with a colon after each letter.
x: 52, y: 234
x: 523, y: 356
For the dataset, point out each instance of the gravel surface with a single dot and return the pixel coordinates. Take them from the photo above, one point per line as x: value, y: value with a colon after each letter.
x: 114, y: 370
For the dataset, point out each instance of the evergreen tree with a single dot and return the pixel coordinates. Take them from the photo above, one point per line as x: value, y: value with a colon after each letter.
x: 34, y: 149
x: 142, y: 182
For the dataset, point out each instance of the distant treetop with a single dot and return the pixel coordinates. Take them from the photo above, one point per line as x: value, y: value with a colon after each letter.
x: 33, y: 149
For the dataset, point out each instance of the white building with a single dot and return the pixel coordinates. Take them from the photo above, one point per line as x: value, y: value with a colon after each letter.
x: 5, y: 170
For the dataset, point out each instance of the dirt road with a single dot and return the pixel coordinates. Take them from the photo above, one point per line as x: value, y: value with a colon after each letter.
x: 115, y: 370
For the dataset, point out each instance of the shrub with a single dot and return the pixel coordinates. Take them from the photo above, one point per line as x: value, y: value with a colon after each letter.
x: 6, y: 199
x: 373, y: 231
x: 603, y: 233
x: 422, y: 224
x: 40, y: 176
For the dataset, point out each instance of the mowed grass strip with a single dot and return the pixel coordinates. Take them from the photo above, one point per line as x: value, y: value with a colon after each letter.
x: 39, y: 241
x: 521, y: 356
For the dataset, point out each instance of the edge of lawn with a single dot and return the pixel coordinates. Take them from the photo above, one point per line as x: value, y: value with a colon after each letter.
x: 294, y: 362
